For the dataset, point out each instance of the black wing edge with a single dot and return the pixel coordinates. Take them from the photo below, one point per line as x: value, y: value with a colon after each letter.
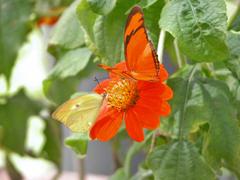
x: 138, y: 9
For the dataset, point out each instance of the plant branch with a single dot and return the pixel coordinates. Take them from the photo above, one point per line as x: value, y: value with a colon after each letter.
x: 81, y: 169
x: 183, y: 109
x: 115, y: 149
x: 211, y: 69
x: 178, y: 55
x: 134, y: 149
x: 153, y: 141
x: 160, y: 48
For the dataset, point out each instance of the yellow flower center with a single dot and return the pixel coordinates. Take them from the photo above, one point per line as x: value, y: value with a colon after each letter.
x: 122, y: 94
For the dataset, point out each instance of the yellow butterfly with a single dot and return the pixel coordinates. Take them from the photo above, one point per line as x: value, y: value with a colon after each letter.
x: 79, y: 113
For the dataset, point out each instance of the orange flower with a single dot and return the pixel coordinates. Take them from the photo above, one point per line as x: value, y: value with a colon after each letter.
x: 139, y: 103
x: 50, y: 21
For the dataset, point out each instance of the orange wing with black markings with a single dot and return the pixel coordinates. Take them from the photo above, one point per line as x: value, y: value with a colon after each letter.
x: 141, y: 58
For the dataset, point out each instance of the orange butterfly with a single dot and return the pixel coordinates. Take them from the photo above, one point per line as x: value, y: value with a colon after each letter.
x: 141, y: 58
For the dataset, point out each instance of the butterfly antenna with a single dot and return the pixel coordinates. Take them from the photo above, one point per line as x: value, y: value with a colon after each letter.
x: 104, y: 94
x: 95, y: 79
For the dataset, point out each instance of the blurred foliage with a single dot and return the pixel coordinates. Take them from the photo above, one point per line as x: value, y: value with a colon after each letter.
x: 79, y: 143
x: 16, y: 123
x: 52, y: 147
x: 233, y: 62
x: 68, y: 33
x: 202, y: 134
x: 14, y: 31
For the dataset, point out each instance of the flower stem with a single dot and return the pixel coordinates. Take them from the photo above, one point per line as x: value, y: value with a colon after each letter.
x: 81, y: 169
x: 178, y: 55
x: 161, y: 45
x: 115, y: 148
x: 154, y: 136
x: 134, y: 149
x: 186, y: 96
x: 211, y: 69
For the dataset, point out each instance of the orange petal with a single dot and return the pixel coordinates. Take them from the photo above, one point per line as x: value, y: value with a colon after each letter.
x: 165, y: 109
x: 153, y: 91
x: 159, y: 106
x: 148, y: 118
x: 154, y: 104
x: 168, y: 93
x: 133, y: 126
x: 162, y: 92
x: 163, y: 74
x: 100, y: 88
x: 107, y: 124
x: 47, y: 21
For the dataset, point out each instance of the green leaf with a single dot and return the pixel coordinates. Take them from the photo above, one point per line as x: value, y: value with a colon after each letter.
x: 118, y: 175
x: 236, y: 95
x: 50, y: 7
x: 102, y: 7
x: 66, y: 75
x: 14, y: 114
x: 108, y: 44
x: 71, y: 63
x: 236, y: 23
x: 170, y: 48
x: 14, y: 22
x: 223, y: 138
x: 233, y: 63
x: 179, y: 160
x: 59, y: 90
x: 108, y: 33
x: 233, y: 12
x: 143, y: 174
x: 152, y: 10
x: 147, y: 3
x: 52, y: 147
x: 68, y: 33
x: 209, y: 101
x: 78, y: 142
x: 234, y: 85
x: 87, y: 19
x: 199, y: 27
x: 183, y: 109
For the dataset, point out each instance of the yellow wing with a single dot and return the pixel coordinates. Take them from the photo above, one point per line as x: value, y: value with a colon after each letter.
x: 79, y: 113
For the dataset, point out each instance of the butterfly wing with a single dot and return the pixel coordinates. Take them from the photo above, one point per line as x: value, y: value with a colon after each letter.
x: 79, y: 113
x: 141, y: 58
x: 119, y: 69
